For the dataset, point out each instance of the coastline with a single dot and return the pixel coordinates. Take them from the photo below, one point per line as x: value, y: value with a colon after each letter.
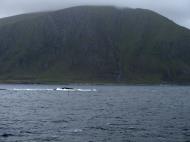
x: 105, y: 83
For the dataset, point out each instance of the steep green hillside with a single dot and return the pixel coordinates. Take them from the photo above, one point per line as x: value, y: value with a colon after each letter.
x: 94, y: 44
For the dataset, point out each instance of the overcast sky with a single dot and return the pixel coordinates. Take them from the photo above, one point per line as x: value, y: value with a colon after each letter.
x: 176, y: 10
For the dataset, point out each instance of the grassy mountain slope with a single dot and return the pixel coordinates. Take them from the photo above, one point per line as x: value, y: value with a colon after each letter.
x: 94, y: 43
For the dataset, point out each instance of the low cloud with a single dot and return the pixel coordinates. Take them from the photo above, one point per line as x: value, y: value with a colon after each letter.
x: 176, y: 10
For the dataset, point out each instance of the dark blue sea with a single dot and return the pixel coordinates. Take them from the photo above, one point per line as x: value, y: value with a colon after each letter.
x: 105, y: 114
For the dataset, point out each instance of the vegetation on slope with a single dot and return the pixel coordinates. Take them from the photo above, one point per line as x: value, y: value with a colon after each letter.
x: 94, y: 44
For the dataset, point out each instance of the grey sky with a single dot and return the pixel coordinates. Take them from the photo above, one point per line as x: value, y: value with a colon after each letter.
x: 176, y: 10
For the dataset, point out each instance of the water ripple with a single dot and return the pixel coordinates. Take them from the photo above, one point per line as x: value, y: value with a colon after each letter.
x: 112, y: 114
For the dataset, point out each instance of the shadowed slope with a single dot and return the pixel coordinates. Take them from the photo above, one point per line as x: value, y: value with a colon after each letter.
x: 94, y: 43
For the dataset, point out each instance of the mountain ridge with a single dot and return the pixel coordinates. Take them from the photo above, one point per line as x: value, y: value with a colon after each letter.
x: 94, y: 44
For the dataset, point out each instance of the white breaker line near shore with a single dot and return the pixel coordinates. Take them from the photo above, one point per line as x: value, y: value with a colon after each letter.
x: 57, y: 89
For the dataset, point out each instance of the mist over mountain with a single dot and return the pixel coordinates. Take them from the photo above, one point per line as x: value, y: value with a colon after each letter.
x: 94, y: 44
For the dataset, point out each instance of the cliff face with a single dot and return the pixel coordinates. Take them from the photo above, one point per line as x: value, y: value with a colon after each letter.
x: 91, y: 43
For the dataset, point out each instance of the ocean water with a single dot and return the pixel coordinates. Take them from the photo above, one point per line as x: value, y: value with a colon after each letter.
x: 35, y: 113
